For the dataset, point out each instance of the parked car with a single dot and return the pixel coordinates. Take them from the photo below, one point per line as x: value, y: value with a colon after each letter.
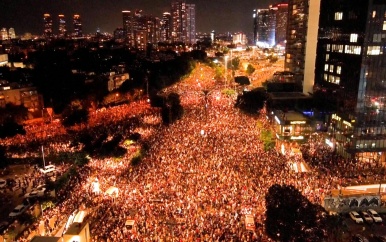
x: 48, y: 171
x: 359, y: 238
x: 3, y: 226
x: 3, y: 183
x: 374, y: 215
x: 40, y: 189
x: 36, y: 193
x: 356, y: 217
x: 367, y: 218
x: 18, y: 210
x: 379, y: 238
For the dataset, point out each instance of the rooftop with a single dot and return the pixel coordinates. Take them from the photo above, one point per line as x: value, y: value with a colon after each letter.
x: 45, y: 239
x: 290, y: 116
x: 288, y: 95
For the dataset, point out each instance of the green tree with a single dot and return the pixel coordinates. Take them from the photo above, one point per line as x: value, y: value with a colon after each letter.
x: 235, y: 63
x: 75, y: 113
x: 171, y: 109
x: 250, y: 69
x: 268, y: 139
x: 16, y: 113
x: 292, y: 217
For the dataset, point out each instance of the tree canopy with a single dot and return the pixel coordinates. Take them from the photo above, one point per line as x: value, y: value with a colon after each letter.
x: 251, y: 101
x: 292, y: 217
x: 75, y: 113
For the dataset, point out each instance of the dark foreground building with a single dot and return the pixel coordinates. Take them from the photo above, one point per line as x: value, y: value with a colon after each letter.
x: 351, y: 60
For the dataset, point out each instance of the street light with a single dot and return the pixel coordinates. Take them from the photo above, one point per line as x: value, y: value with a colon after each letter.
x: 226, y: 59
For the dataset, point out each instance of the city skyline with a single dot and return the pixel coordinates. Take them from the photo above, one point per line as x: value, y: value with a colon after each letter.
x: 210, y: 15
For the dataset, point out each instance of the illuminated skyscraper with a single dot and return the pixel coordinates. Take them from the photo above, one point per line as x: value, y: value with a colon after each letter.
x: 301, y: 37
x: 190, y: 23
x: 11, y: 33
x: 264, y: 26
x: 128, y: 19
x: 179, y: 21
x: 77, y: 23
x: 281, y: 15
x: 254, y: 16
x: 4, y: 34
x: 165, y: 27
x: 47, y: 25
x: 62, y: 26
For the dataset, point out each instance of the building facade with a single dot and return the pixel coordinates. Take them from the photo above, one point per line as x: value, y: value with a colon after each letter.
x: 351, y: 59
x: 4, y: 34
x: 190, y: 23
x: 11, y: 33
x: 77, y: 23
x: 264, y: 23
x: 62, y: 26
x: 281, y: 16
x: 127, y: 19
x: 47, y: 25
x: 165, y: 27
x: 301, y: 38
x: 179, y: 21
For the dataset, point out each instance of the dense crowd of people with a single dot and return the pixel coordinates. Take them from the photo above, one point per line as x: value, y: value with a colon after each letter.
x: 198, y: 179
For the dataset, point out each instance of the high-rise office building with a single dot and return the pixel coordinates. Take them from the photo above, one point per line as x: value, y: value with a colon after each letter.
x: 178, y: 26
x: 140, y: 29
x: 351, y: 60
x: 11, y: 33
x: 265, y: 26
x: 239, y: 38
x: 128, y: 19
x: 47, y: 25
x: 165, y: 27
x: 301, y: 37
x: 281, y: 15
x: 77, y: 23
x: 62, y: 26
x: 254, y: 16
x: 190, y: 23
x: 4, y: 34
x: 119, y: 34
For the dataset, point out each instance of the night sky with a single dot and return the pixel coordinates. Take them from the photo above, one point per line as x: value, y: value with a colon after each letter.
x: 218, y: 15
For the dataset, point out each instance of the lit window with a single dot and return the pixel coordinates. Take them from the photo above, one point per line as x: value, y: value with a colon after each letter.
x: 334, y: 79
x: 337, y: 80
x: 326, y: 67
x: 331, y: 68
x: 327, y: 57
x: 377, y: 38
x: 337, y: 48
x: 353, y: 38
x: 338, y: 15
x: 374, y: 50
x: 325, y: 77
x: 352, y: 49
x: 338, y: 70
x: 384, y: 25
x: 374, y: 14
x: 328, y: 47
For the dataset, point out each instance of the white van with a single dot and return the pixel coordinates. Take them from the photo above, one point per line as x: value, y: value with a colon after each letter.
x: 48, y: 170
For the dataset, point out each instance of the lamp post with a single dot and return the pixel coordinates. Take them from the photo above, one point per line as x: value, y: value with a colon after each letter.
x: 226, y: 59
